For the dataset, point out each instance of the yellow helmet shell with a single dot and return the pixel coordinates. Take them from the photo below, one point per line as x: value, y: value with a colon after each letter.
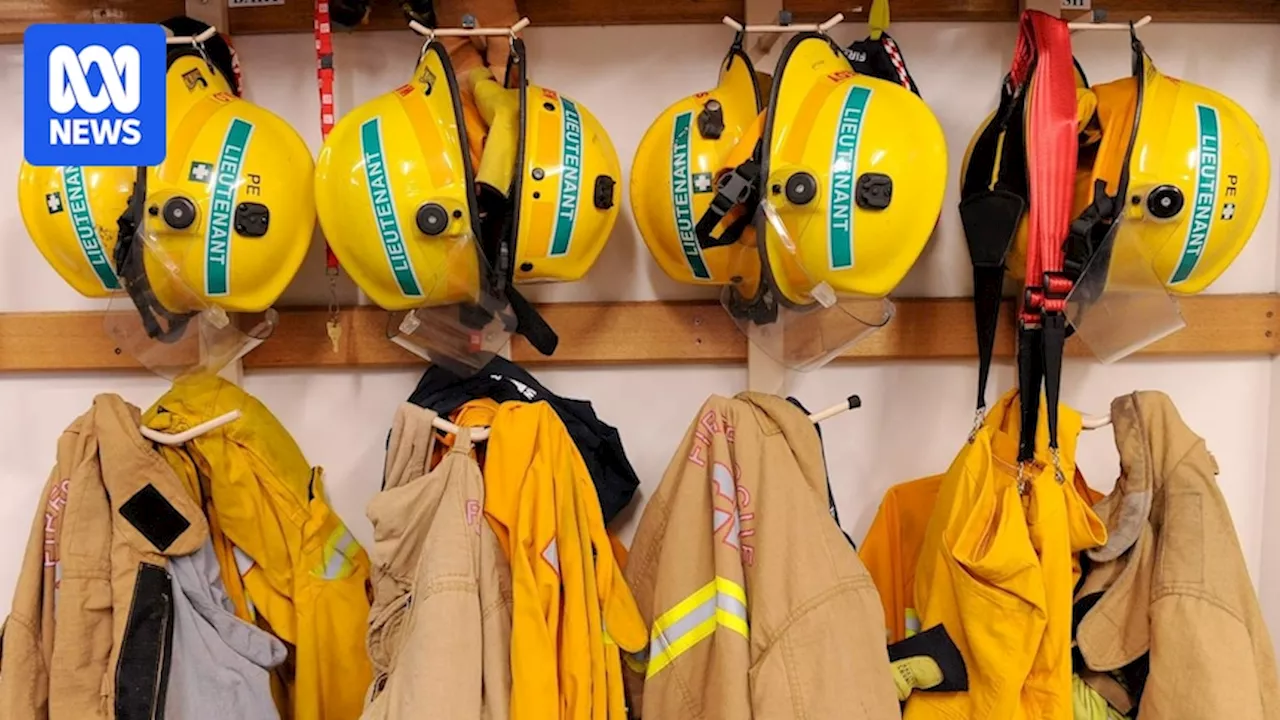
x: 1199, y: 175
x: 248, y: 176
x: 674, y: 175
x: 70, y: 213
x: 855, y: 168
x: 566, y: 191
x: 394, y: 189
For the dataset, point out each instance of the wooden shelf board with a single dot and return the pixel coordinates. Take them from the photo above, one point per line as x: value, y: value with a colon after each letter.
x: 633, y: 333
x: 295, y: 15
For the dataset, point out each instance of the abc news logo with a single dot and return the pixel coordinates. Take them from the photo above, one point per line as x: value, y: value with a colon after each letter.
x: 94, y: 95
x: 121, y: 89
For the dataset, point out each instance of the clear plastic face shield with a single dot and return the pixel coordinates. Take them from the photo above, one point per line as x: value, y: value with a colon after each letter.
x: 804, y: 335
x: 1120, y: 303
x: 168, y: 325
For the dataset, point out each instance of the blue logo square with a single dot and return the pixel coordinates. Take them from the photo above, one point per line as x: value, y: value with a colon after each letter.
x: 94, y: 95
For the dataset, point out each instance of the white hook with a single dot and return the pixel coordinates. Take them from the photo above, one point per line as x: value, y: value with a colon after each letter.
x: 182, y: 438
x: 431, y: 33
x: 192, y: 39
x: 1081, y: 25
x: 853, y: 402
x: 821, y: 27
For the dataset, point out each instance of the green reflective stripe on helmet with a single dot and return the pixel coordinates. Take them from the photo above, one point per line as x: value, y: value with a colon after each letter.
x: 844, y: 164
x: 384, y: 209
x: 81, y: 218
x: 570, y: 178
x: 1206, y: 197
x: 226, y: 178
x: 682, y: 196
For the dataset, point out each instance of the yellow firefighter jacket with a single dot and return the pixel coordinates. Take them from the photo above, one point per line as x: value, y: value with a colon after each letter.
x: 571, y: 608
x: 760, y: 607
x: 997, y: 568
x: 288, y: 562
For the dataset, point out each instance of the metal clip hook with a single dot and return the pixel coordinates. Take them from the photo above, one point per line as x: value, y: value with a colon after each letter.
x: 1024, y: 483
x: 1057, y: 466
x: 978, y: 416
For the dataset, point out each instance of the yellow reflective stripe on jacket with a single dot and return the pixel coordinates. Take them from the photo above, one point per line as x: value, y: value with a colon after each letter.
x: 720, y: 602
x: 339, y: 549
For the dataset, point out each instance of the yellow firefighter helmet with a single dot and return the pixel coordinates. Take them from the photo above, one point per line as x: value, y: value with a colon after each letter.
x: 1190, y: 168
x: 855, y: 168
x: 682, y: 158
x: 395, y: 193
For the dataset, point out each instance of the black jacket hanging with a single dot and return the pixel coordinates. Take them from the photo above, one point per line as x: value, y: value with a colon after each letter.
x: 502, y: 380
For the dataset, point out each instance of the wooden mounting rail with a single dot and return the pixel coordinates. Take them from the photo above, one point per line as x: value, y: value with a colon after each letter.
x: 295, y: 16
x: 630, y: 333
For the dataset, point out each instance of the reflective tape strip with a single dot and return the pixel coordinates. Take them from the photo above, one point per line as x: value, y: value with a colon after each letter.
x: 720, y: 602
x: 337, y: 560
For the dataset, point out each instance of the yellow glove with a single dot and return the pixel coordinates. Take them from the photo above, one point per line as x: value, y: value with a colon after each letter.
x: 1087, y: 704
x: 500, y: 109
x: 915, y: 672
x: 928, y: 660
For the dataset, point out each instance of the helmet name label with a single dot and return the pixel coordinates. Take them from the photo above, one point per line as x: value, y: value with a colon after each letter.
x: 384, y: 210
x: 570, y: 178
x: 1206, y: 193
x: 682, y: 196
x: 226, y: 178
x: 86, y: 232
x: 844, y: 162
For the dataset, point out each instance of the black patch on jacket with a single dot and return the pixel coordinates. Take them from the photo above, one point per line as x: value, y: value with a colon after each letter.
x: 153, y: 516
x: 504, y: 381
x: 142, y: 673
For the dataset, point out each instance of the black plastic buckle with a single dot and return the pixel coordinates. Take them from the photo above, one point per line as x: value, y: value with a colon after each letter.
x: 739, y: 187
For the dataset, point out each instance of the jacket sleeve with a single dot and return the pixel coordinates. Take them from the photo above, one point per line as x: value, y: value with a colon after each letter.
x: 1203, y: 666
x: 28, y: 632
x: 879, y: 553
x: 333, y: 667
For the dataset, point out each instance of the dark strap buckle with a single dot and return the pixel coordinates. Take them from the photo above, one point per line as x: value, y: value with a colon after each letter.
x: 737, y: 188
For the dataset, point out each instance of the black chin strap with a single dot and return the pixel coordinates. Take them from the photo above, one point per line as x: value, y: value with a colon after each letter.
x: 990, y: 213
x: 497, y: 228
x: 132, y: 270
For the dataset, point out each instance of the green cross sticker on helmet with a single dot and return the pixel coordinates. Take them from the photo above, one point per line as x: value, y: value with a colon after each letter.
x: 384, y: 211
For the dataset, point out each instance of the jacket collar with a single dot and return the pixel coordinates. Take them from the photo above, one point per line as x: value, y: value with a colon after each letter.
x: 152, y: 508
x: 1152, y: 440
x: 777, y: 415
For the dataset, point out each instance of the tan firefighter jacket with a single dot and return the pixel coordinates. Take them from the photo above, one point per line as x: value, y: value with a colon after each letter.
x: 758, y: 604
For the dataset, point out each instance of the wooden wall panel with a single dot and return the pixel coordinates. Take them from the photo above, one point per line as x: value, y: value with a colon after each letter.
x: 295, y: 15
x: 16, y: 15
x: 1007, y: 10
x: 906, y: 10
x: 637, y: 333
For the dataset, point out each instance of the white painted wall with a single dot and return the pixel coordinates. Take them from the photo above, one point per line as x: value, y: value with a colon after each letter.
x: 914, y: 414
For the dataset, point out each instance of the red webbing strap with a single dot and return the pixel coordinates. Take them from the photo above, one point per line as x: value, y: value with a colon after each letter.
x: 1051, y: 157
x: 1044, y: 51
x: 324, y: 79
